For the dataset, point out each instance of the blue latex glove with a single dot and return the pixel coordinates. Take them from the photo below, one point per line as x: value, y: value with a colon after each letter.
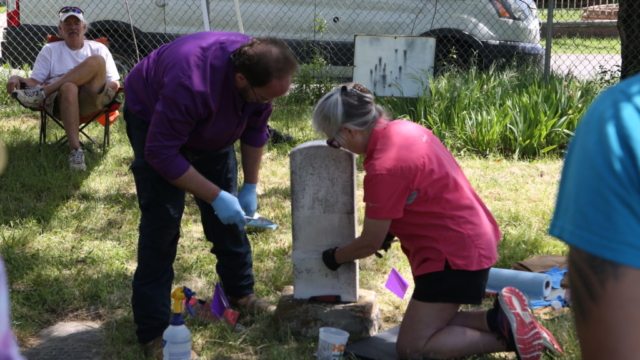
x: 248, y: 199
x: 228, y: 209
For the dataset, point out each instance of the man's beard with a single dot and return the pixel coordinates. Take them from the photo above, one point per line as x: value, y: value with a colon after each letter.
x: 245, y: 92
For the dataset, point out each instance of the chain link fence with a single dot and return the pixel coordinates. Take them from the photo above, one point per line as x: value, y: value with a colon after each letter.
x: 583, y: 37
x: 582, y: 34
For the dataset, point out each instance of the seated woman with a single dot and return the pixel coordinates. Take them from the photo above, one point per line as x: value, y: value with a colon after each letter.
x: 415, y: 190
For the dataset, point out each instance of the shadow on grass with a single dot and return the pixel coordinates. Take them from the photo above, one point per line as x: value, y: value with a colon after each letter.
x: 38, y: 180
x: 70, y: 340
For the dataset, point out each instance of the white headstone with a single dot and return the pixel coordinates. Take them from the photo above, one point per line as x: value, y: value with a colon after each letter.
x: 323, y: 207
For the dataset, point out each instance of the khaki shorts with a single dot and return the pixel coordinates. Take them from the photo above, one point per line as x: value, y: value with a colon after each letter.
x: 87, y: 101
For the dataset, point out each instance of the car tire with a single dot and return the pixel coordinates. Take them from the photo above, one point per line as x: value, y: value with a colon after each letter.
x: 454, y: 55
x: 124, y: 54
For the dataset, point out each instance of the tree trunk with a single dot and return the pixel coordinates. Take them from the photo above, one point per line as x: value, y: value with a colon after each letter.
x: 629, y: 30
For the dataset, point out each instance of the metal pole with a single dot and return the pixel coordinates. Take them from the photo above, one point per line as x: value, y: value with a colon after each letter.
x: 205, y: 15
x: 133, y: 33
x: 239, y: 17
x: 547, y: 51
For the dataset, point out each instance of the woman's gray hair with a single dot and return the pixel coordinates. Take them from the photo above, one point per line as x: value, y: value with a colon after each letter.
x: 350, y: 105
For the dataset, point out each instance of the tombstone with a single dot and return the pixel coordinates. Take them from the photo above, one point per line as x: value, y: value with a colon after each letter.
x: 323, y: 207
x: 323, y: 210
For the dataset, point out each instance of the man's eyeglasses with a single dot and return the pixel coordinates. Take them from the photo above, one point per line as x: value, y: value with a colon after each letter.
x: 259, y: 99
x: 70, y: 9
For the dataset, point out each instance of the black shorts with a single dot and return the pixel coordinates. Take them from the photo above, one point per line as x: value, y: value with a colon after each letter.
x: 451, y: 286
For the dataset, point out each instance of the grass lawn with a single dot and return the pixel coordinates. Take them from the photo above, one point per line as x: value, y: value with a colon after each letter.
x: 583, y: 45
x: 69, y: 239
x: 561, y: 14
x: 577, y: 45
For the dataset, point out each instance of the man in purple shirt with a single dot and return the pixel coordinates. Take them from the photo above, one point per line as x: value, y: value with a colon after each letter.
x: 187, y: 103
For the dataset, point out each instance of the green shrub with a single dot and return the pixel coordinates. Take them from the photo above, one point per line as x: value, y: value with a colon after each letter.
x: 8, y: 105
x: 512, y: 112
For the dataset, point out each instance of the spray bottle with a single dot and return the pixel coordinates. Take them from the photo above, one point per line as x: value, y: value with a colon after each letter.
x: 176, y: 339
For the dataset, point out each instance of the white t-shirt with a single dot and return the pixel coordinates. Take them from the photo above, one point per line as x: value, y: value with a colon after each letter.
x: 56, y: 59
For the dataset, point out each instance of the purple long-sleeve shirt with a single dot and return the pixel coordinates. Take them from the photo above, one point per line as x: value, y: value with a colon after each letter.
x: 186, y: 91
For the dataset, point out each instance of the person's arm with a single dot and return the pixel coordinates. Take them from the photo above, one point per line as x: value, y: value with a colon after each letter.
x: 370, y: 241
x: 9, y: 349
x: 193, y: 182
x: 40, y: 74
x: 114, y: 85
x: 226, y: 206
x: 14, y: 83
x: 251, y: 159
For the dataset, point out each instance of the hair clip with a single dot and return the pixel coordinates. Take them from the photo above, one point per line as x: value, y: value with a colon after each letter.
x: 361, y: 88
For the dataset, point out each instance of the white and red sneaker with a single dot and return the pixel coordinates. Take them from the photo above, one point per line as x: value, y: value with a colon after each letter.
x: 549, y: 341
x: 518, y: 325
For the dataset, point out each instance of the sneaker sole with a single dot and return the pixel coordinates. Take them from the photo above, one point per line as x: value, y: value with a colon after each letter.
x: 526, y: 332
x: 550, y: 341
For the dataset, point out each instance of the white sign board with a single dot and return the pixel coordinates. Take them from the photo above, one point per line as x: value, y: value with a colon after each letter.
x: 394, y: 65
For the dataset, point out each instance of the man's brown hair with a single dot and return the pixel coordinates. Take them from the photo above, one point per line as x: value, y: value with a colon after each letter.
x: 264, y: 59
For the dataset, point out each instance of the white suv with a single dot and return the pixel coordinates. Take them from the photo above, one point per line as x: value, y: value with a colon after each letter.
x: 492, y: 29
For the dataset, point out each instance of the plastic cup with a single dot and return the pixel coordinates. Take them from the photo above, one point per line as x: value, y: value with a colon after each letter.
x: 331, y: 344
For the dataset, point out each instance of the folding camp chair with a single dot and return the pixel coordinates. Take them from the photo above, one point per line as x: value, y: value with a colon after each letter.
x: 105, y: 116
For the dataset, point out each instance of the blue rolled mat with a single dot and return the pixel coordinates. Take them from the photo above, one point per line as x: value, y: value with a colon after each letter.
x: 535, y: 285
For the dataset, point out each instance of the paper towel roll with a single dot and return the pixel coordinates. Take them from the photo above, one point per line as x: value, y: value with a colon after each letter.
x: 535, y: 285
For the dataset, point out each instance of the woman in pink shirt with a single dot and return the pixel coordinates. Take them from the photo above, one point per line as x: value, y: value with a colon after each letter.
x: 415, y: 190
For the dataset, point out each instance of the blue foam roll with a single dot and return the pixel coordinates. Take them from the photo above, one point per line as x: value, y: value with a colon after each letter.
x: 535, y: 285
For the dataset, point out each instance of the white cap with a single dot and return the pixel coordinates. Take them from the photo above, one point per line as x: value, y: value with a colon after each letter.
x: 63, y: 16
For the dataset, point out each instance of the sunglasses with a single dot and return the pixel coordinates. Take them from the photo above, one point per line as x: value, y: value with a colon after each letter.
x: 70, y: 9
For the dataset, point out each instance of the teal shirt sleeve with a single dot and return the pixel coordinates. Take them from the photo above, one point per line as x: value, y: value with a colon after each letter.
x: 598, y: 204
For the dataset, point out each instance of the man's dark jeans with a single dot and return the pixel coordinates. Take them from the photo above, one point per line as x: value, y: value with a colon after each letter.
x: 161, y: 205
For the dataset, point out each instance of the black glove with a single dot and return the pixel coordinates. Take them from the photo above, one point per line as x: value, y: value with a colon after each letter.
x: 329, y: 259
x: 386, y: 244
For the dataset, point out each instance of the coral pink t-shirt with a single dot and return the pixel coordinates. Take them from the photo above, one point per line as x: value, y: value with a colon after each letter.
x: 414, y: 180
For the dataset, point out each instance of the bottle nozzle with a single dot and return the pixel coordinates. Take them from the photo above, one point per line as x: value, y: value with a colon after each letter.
x: 180, y: 294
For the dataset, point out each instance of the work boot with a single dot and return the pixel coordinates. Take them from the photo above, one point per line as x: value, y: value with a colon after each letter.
x: 153, y: 349
x: 252, y: 305
x: 31, y: 98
